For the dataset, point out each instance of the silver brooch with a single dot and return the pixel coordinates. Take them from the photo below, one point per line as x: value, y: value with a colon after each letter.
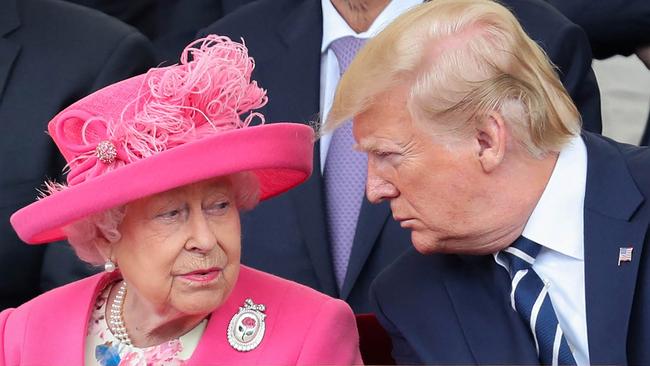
x: 106, y: 152
x: 246, y: 328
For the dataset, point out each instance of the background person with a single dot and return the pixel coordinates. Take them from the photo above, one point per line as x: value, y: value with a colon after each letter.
x: 51, y: 54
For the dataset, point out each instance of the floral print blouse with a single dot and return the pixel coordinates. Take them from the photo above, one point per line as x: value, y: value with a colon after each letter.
x: 103, y: 349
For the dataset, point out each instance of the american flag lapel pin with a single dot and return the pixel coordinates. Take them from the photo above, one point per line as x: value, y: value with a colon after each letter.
x: 624, y: 255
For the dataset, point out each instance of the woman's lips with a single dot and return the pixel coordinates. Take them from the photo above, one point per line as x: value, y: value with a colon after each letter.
x: 202, y: 275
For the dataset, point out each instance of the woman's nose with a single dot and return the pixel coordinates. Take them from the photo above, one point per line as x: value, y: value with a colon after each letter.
x: 202, y: 238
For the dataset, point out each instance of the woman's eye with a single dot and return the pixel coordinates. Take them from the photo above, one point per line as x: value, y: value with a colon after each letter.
x: 170, y: 214
x: 218, y: 207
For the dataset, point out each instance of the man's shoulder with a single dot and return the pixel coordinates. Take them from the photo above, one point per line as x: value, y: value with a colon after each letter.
x: 80, y: 42
x: 538, y: 18
x: 263, y: 25
x: 253, y: 17
x: 539, y: 7
x: 427, y: 277
x: 75, y: 18
x: 413, y: 271
x: 635, y: 158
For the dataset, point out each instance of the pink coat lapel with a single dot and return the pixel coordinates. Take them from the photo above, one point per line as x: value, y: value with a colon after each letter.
x: 62, y: 323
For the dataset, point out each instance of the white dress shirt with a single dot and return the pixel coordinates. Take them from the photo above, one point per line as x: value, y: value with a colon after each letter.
x: 557, y: 225
x: 335, y: 27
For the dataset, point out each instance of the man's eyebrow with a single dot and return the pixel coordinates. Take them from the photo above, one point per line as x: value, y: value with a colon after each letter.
x: 368, y: 145
x: 374, y: 144
x: 363, y: 146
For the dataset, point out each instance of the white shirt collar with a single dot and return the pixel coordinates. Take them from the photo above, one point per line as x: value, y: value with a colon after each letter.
x: 557, y: 222
x: 335, y: 27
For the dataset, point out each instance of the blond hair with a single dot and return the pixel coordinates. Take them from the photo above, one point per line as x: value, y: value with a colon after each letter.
x: 462, y: 59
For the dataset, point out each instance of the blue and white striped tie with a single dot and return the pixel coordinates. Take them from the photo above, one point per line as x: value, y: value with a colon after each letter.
x: 529, y: 297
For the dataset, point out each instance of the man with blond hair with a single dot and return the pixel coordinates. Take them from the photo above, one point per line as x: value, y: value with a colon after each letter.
x: 325, y: 234
x: 528, y: 235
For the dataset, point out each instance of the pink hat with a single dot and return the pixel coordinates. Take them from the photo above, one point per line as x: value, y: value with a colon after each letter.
x: 167, y: 128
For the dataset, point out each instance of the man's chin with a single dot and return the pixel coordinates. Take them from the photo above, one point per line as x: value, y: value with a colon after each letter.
x: 425, y: 244
x: 428, y: 243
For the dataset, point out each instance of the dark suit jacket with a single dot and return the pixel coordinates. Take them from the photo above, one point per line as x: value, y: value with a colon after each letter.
x: 614, y: 27
x: 169, y: 24
x: 51, y: 54
x: 455, y: 309
x: 645, y: 139
x: 287, y: 235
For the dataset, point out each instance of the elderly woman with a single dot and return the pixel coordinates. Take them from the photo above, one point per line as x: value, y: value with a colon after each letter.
x: 159, y: 167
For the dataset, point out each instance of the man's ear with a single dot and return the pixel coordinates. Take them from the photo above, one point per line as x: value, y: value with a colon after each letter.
x: 491, y: 138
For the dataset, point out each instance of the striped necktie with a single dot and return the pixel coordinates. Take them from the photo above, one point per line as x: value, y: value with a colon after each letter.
x: 529, y: 297
x: 344, y: 176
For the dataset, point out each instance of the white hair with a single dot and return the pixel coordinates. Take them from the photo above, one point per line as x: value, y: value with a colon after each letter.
x: 84, y: 235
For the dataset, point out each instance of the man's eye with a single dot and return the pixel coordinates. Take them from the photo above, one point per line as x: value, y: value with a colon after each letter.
x: 382, y: 154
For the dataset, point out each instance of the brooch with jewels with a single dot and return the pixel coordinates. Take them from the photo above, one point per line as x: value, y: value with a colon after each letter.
x: 106, y: 152
x: 246, y: 328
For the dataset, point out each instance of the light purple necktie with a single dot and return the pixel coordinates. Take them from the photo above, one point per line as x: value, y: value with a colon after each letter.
x: 345, y: 175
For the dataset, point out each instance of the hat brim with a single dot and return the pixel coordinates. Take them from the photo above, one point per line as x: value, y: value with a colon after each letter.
x: 279, y: 154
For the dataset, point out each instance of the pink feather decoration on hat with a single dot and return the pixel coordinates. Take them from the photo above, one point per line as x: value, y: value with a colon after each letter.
x: 198, y: 98
x: 209, y: 92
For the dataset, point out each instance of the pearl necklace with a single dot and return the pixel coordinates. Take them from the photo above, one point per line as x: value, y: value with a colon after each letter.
x: 117, y: 320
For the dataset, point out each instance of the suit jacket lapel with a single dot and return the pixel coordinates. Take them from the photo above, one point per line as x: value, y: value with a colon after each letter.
x: 289, y: 65
x: 9, y: 21
x: 611, y: 201
x: 479, y: 291
x: 294, y: 96
x: 371, y: 220
x: 308, y: 203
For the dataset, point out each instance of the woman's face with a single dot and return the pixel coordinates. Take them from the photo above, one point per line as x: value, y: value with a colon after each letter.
x: 180, y: 250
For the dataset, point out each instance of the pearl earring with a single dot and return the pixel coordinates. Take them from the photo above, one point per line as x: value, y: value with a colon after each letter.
x: 109, y: 266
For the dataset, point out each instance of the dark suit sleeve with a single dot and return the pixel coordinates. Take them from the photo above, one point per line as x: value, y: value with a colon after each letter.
x: 132, y: 55
x: 568, y: 48
x: 614, y: 27
x: 571, y: 53
x: 402, y: 351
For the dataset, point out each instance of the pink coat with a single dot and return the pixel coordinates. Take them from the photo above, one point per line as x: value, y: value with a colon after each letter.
x: 303, y: 326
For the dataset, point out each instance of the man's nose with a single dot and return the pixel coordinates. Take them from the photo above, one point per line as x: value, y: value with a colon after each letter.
x: 378, y: 189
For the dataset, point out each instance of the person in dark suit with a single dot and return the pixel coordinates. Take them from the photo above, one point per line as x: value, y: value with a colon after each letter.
x: 169, y: 24
x: 51, y: 54
x: 529, y: 235
x: 645, y: 139
x: 289, y: 235
x: 614, y: 28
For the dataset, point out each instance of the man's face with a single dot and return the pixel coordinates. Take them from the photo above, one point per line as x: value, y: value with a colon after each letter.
x: 432, y: 181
